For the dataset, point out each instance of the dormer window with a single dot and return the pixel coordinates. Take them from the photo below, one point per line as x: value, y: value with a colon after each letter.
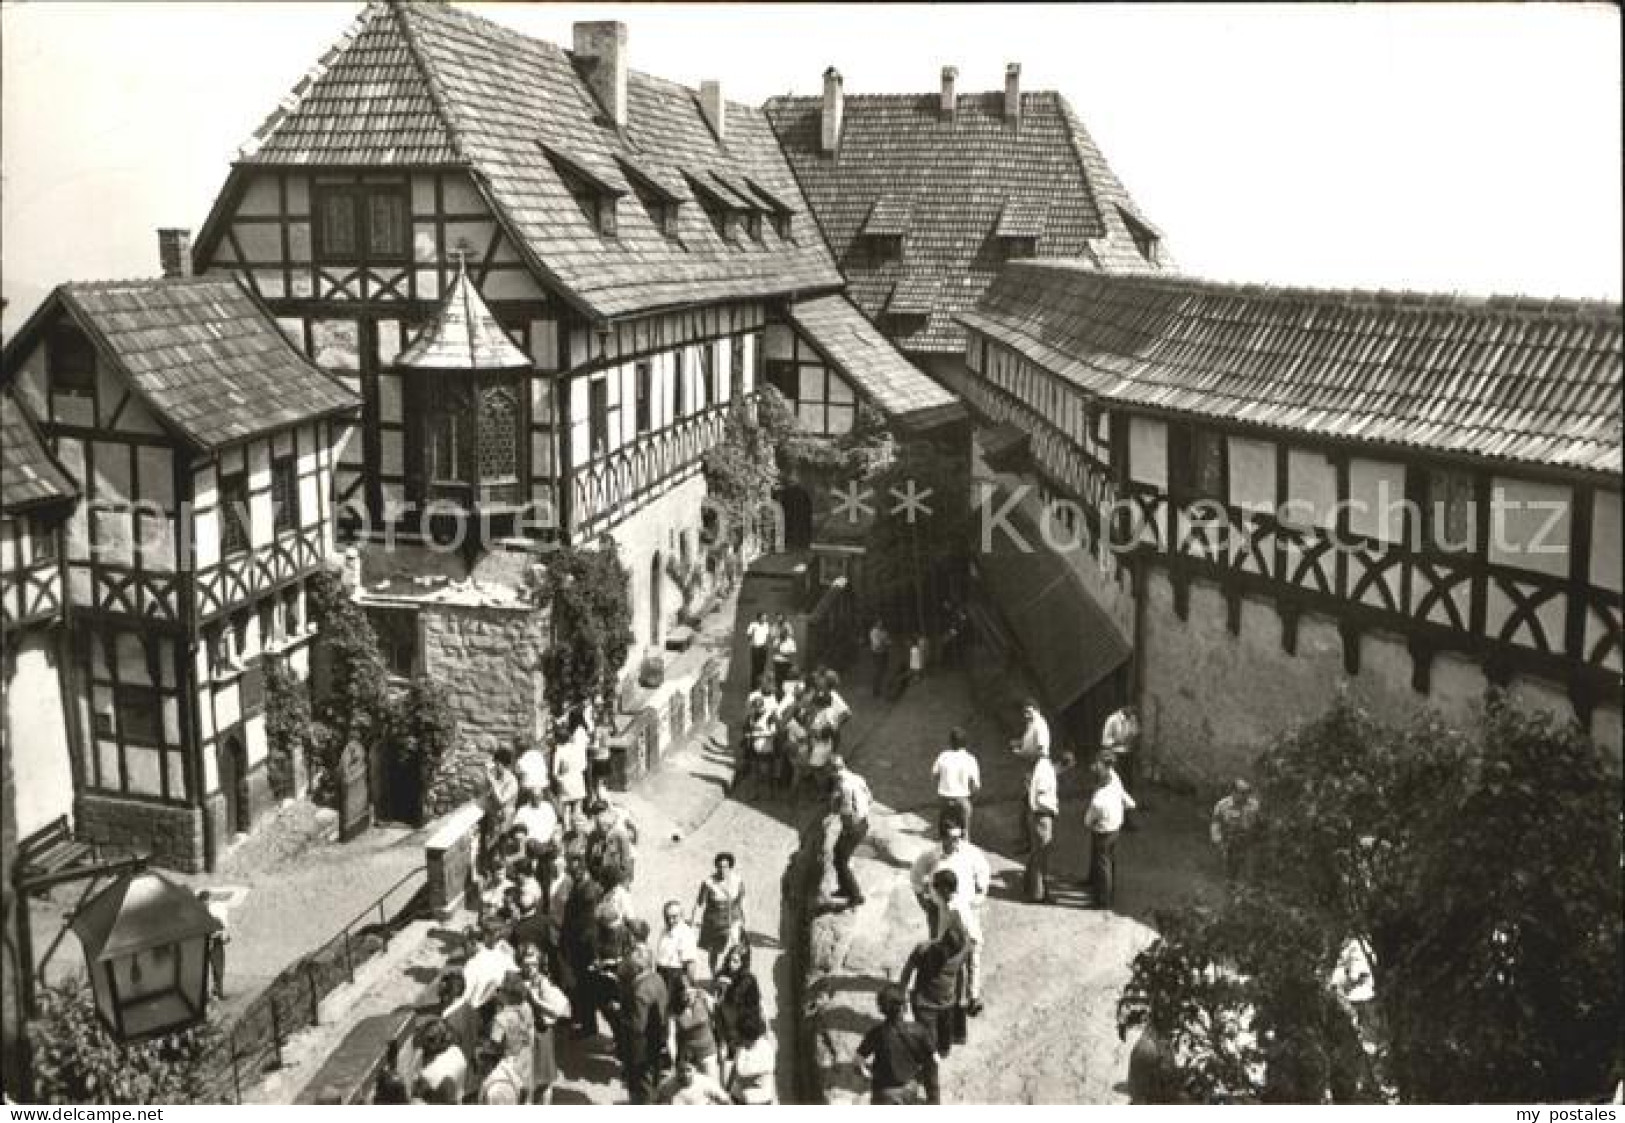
x: 722, y: 206
x: 780, y: 214
x: 1146, y: 240
x: 881, y: 238
x: 596, y: 196
x: 661, y: 195
x: 1020, y: 225
x: 70, y: 361
x: 753, y: 225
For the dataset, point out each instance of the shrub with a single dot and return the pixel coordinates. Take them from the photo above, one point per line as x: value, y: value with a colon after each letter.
x: 76, y: 1061
x: 287, y: 725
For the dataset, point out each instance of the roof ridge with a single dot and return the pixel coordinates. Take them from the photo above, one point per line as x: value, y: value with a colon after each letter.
x: 295, y: 97
x: 1406, y: 299
x: 431, y: 80
x: 901, y: 96
x: 105, y: 284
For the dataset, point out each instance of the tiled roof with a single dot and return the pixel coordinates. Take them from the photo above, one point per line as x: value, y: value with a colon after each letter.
x: 463, y: 335
x: 867, y: 358
x: 1506, y: 378
x: 426, y: 83
x: 889, y: 216
x: 955, y: 181
x: 205, y: 356
x: 29, y: 475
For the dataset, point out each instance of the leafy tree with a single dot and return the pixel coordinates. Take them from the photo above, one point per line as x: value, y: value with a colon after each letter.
x: 287, y: 724
x: 1478, y: 872
x: 742, y: 469
x: 589, y: 594
x: 423, y: 729
x: 76, y: 1061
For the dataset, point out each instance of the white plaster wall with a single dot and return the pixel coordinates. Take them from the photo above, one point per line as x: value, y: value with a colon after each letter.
x: 37, y: 732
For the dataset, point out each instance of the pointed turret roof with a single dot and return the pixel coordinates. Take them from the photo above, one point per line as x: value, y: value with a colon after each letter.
x: 463, y: 335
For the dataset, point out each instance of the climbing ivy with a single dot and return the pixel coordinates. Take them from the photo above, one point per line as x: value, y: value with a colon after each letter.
x: 354, y: 704
x: 287, y: 724
x: 76, y: 1061
x: 588, y: 592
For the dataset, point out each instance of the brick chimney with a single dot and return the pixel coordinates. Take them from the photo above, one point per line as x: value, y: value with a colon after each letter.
x: 1012, y: 93
x: 175, y: 252
x: 831, y: 133
x: 600, y: 51
x: 949, y: 102
x: 715, y: 109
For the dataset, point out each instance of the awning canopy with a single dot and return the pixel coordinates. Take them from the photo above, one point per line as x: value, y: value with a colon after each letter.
x: 1069, y: 641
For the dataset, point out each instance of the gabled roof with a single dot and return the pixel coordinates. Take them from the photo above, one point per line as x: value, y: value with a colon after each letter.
x: 889, y: 216
x: 463, y: 335
x: 200, y: 352
x: 29, y: 474
x: 1504, y: 378
x: 415, y: 84
x: 868, y: 360
x: 957, y: 179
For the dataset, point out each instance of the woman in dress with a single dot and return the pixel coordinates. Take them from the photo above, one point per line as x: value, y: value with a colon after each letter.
x: 755, y: 1063
x: 719, y: 910
x: 570, y: 767
x: 548, y: 1006
x: 738, y: 995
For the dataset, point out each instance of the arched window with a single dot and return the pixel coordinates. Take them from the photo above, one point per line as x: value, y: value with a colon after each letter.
x: 499, y: 435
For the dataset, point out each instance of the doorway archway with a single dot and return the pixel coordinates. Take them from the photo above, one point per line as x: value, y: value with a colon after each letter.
x: 798, y: 517
x: 234, y: 785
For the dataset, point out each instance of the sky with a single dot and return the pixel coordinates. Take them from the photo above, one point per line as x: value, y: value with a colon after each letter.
x: 1451, y: 147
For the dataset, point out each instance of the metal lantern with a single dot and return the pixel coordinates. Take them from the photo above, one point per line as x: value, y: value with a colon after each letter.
x: 146, y: 944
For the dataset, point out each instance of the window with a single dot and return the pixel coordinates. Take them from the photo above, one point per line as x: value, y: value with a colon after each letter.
x: 42, y: 539
x: 875, y: 249
x: 784, y: 224
x: 140, y: 717
x: 70, y: 362
x: 292, y: 623
x: 214, y: 639
x: 284, y: 494
x: 598, y: 415
x: 234, y: 516
x: 644, y: 404
x: 781, y: 375
x: 267, y: 612
x: 736, y: 367
x: 1199, y: 468
x: 361, y: 222
x: 499, y: 435
x: 1009, y: 249
x: 451, y: 435
x: 239, y: 637
x: 753, y: 225
x: 708, y: 374
x: 397, y: 632
x: 1448, y: 507
x: 679, y: 380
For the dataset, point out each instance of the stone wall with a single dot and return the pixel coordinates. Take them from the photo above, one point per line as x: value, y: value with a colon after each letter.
x: 675, y: 711
x: 1211, y: 700
x: 489, y: 662
x: 173, y: 835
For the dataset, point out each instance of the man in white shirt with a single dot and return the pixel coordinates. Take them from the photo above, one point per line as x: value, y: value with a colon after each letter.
x: 1104, y: 819
x: 486, y: 968
x: 533, y: 772
x: 536, y: 815
x: 759, y: 632
x: 973, y: 877
x: 1043, y: 805
x: 677, y: 948
x: 1034, y: 739
x: 880, y: 652
x: 958, y: 776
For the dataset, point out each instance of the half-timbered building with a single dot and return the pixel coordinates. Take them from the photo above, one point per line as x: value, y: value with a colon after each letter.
x: 1257, y: 494
x: 633, y: 238
x: 36, y: 498
x: 202, y: 445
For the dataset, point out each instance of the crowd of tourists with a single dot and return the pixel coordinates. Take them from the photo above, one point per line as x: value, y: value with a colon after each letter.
x: 562, y: 946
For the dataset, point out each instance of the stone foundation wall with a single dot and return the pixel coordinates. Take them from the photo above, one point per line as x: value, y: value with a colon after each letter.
x: 643, y: 742
x: 173, y: 835
x: 489, y: 661
x: 1211, y: 700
